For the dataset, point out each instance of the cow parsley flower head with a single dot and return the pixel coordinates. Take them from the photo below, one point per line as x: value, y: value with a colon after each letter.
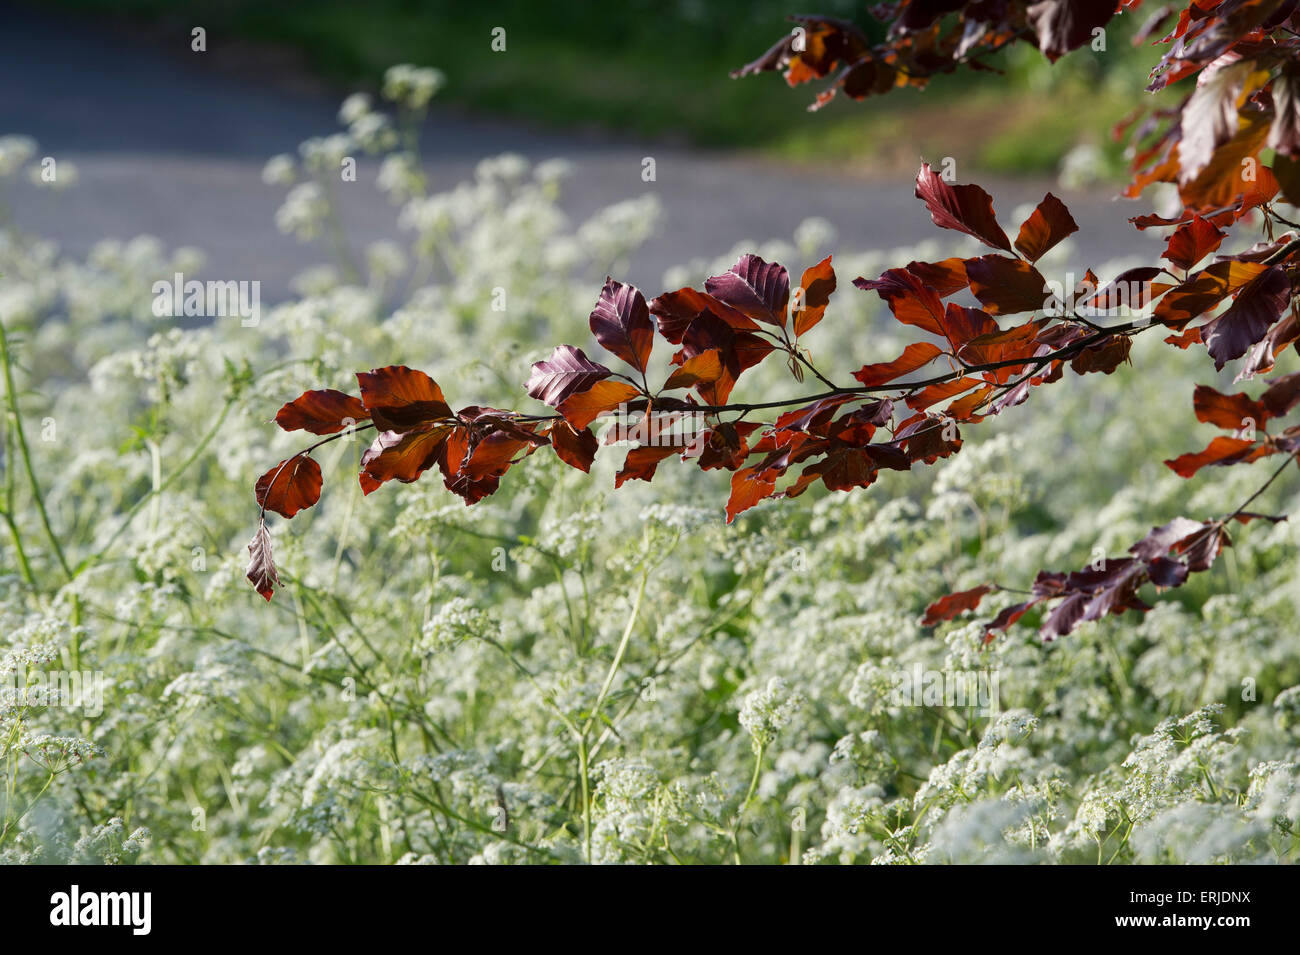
x: 765, y: 711
x: 412, y: 86
x: 14, y: 152
x: 303, y: 211
x: 279, y: 170
x: 354, y: 107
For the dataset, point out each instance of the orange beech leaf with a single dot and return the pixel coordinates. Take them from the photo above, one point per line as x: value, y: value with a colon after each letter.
x: 816, y: 286
x: 1220, y: 182
x: 585, y: 407
x: 1105, y: 356
x: 916, y: 355
x: 933, y: 394
x: 706, y: 367
x: 963, y: 409
x: 1186, y: 339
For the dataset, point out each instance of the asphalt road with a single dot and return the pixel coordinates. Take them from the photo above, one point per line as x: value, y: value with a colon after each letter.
x: 171, y: 143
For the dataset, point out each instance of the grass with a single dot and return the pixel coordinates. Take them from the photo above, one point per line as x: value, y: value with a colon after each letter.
x: 652, y: 70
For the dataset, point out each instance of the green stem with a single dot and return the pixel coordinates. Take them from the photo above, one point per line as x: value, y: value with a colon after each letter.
x: 749, y: 796
x: 160, y: 488
x: 11, y: 400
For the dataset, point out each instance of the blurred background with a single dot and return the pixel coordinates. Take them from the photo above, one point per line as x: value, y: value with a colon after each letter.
x: 169, y: 141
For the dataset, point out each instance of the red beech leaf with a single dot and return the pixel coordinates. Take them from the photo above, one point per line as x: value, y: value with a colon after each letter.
x: 1201, y: 548
x: 576, y: 448
x: 1284, y: 134
x: 1192, y: 242
x: 1167, y: 573
x: 759, y: 289
x: 1132, y: 288
x: 566, y: 372
x: 1049, y: 223
x: 261, y: 564
x: 1227, y: 411
x: 1105, y: 356
x: 401, y: 455
x: 909, y: 298
x: 1066, y: 615
x: 1245, y: 517
x: 676, y: 310
x: 1219, y: 452
x: 1161, y: 540
x: 927, y: 440
x: 1282, y: 395
x: 585, y: 407
x: 1287, y: 171
x: 641, y: 463
x: 1006, y: 617
x: 1248, y: 319
x: 324, y: 411
x: 738, y: 350
x: 961, y: 325
x: 1065, y: 25
x: 1261, y: 358
x: 748, y: 487
x: 621, y: 323
x: 1204, y: 290
x: 946, y: 608
x: 915, y: 355
x: 1005, y: 286
x: 400, y: 398
x: 289, y: 487
x: 967, y: 209
x: 945, y: 277
x: 493, y: 455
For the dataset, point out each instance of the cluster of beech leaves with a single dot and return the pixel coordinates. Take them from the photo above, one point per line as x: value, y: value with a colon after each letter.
x: 1231, y: 146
